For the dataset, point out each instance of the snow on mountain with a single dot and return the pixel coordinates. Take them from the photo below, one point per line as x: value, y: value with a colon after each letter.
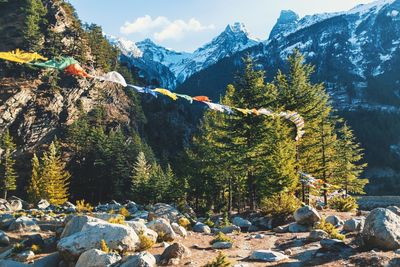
x: 170, y: 67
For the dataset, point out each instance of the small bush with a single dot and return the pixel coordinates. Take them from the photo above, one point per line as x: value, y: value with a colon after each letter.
x: 184, y: 222
x: 163, y: 237
x: 219, y: 261
x: 209, y: 223
x: 36, y: 249
x: 145, y: 242
x: 225, y: 220
x: 343, y: 204
x: 280, y: 205
x: 18, y: 248
x: 81, y: 206
x: 124, y: 212
x: 330, y: 229
x: 117, y: 220
x: 221, y: 237
x: 104, y: 247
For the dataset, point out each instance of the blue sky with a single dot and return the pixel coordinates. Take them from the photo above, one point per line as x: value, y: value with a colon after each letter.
x: 185, y: 25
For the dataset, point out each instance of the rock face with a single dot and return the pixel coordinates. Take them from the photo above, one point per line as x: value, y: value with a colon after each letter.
x: 174, y: 253
x: 24, y: 224
x: 267, y: 255
x: 162, y: 225
x: 306, y: 215
x: 97, y: 258
x: 142, y: 259
x: 115, y: 235
x: 381, y: 229
x: 76, y: 223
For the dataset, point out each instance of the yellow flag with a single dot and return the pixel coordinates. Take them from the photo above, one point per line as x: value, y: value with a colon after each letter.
x: 20, y: 56
x: 244, y: 110
x: 166, y: 92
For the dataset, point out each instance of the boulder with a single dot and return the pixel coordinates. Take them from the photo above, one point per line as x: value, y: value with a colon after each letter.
x: 68, y: 207
x: 51, y: 260
x: 4, y: 239
x: 6, y: 219
x: 4, y: 205
x: 263, y: 223
x: 299, y: 228
x: 242, y: 223
x: 10, y: 263
x: 222, y: 245
x: 142, y: 259
x: 334, y: 220
x: 16, y: 205
x: 394, y: 209
x: 179, y: 229
x: 151, y: 234
x: 230, y: 229
x: 317, y: 235
x: 162, y: 225
x: 381, y: 229
x: 117, y: 236
x: 306, y: 215
x: 107, y: 216
x: 24, y: 224
x: 113, y: 205
x: 281, y: 229
x: 267, y: 256
x: 200, y: 227
x: 165, y: 211
x: 132, y: 207
x: 76, y: 223
x: 43, y: 204
x: 174, y: 253
x: 35, y: 239
x: 137, y: 226
x: 354, y: 225
x: 97, y: 258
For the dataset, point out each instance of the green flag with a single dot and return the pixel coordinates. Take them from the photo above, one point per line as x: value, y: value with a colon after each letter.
x: 59, y: 63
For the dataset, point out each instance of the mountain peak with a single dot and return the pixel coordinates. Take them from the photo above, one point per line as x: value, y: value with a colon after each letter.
x: 287, y: 19
x: 236, y: 27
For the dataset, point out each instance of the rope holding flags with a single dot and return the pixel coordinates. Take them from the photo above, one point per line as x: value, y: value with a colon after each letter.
x: 71, y: 66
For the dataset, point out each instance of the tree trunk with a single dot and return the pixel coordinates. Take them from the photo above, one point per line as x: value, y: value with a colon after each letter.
x: 5, y: 194
x: 229, y: 196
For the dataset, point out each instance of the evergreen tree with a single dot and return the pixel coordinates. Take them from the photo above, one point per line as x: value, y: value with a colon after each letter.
x: 140, y: 178
x: 35, y: 12
x: 8, y: 175
x: 55, y: 176
x: 349, y: 166
x: 36, y: 186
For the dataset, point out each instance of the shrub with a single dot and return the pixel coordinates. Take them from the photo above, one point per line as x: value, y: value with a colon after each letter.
x: 145, y: 242
x: 225, y: 220
x: 221, y: 237
x: 343, y: 204
x: 81, y: 206
x: 124, y: 212
x: 36, y: 249
x: 104, y: 247
x: 209, y: 223
x: 19, y: 247
x: 117, y: 220
x: 330, y: 229
x: 184, y: 222
x: 280, y: 205
x: 162, y: 236
x: 219, y: 261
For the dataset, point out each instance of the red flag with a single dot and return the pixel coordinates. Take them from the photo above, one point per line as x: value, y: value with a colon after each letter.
x: 76, y: 69
x: 201, y: 98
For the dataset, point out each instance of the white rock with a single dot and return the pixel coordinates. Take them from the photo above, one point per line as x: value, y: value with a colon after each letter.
x: 242, y: 223
x: 24, y: 224
x: 179, y: 229
x: 118, y: 237
x: 137, y: 226
x: 354, y: 225
x: 299, y: 228
x: 97, y: 258
x: 76, y: 223
x: 25, y: 255
x: 381, y: 229
x: 306, y: 215
x: 200, y: 227
x: 222, y: 245
x: 334, y: 220
x: 43, y: 204
x: 267, y: 255
x: 162, y: 225
x: 142, y: 259
x: 230, y: 229
x: 317, y: 235
x: 16, y: 205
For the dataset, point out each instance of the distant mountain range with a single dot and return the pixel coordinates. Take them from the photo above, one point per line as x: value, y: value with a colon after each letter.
x: 356, y: 54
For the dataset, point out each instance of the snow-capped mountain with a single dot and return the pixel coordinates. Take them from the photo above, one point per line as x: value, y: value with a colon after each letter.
x: 171, y: 68
x: 356, y: 55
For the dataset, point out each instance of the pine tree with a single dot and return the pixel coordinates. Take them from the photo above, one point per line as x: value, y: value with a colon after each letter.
x: 349, y: 166
x: 36, y: 186
x: 140, y: 178
x: 55, y: 176
x: 8, y: 175
x: 35, y: 12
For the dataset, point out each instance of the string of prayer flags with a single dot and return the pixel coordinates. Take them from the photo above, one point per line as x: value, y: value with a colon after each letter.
x: 201, y: 98
x: 114, y: 77
x: 144, y: 90
x: 188, y: 98
x: 264, y: 111
x: 20, y: 56
x: 57, y: 63
x: 76, y: 69
x: 219, y: 107
x: 245, y: 111
x: 166, y: 92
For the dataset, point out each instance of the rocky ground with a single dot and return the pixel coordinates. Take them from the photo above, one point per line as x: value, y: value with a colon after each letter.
x: 121, y: 235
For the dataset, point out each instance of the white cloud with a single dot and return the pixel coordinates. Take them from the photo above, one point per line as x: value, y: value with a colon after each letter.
x: 161, y: 28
